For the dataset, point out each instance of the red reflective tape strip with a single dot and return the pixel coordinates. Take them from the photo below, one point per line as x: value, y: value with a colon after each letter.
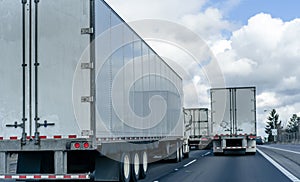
x: 82, y: 177
x: 13, y: 137
x: 67, y: 176
x: 7, y: 177
x: 22, y: 177
x: 57, y: 136
x: 37, y: 176
x: 51, y: 176
x: 28, y: 137
x: 72, y: 136
x: 1, y: 138
x: 43, y: 137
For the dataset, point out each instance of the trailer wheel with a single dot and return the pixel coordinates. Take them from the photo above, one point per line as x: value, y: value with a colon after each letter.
x: 135, y: 167
x: 143, y: 165
x: 125, y: 168
x: 180, y: 154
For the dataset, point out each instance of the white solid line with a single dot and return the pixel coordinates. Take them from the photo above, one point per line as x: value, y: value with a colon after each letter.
x: 190, y: 163
x: 278, y: 166
x: 285, y: 150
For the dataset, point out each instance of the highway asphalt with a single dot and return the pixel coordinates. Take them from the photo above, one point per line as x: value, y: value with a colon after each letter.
x: 204, y: 166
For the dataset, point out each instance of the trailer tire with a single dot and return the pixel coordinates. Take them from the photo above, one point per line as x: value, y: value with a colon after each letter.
x: 125, y: 168
x: 143, y: 165
x: 180, y: 154
x: 177, y: 153
x: 135, y: 166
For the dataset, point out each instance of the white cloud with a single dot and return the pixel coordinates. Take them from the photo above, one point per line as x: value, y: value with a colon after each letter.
x: 132, y: 10
x: 290, y: 82
x: 207, y: 24
x: 266, y: 100
x: 267, y: 51
x: 262, y: 34
x: 231, y: 64
x: 221, y: 46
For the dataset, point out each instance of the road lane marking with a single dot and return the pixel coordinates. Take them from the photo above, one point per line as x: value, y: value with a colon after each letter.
x: 279, y: 167
x: 207, y: 153
x: 281, y: 149
x: 190, y: 163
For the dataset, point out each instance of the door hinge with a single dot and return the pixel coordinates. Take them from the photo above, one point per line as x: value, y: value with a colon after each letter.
x: 87, y: 99
x: 87, y: 66
x: 87, y: 30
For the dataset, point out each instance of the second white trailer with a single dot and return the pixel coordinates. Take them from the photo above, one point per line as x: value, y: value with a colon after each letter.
x: 233, y: 114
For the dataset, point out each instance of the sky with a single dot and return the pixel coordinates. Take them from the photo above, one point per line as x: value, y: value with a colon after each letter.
x: 255, y: 43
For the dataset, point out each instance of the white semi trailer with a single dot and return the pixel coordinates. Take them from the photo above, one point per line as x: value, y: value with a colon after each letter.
x: 233, y: 114
x: 83, y: 97
x: 197, y: 127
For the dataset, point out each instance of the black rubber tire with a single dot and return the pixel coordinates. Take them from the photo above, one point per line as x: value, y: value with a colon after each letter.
x: 135, y: 166
x: 125, y: 168
x: 177, y: 154
x: 143, y: 164
x: 180, y: 153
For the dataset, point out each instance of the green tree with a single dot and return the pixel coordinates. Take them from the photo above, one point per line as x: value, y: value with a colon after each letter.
x: 293, y: 124
x: 272, y: 118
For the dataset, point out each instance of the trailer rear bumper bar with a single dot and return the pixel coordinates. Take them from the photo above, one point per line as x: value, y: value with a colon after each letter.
x: 45, y: 177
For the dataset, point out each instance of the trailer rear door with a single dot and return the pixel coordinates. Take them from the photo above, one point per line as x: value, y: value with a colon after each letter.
x: 56, y: 34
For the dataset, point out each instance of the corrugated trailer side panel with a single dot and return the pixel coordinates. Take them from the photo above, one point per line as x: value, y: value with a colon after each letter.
x: 137, y: 93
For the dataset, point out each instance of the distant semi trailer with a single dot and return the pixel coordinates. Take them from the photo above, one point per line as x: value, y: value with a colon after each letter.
x: 197, y: 127
x: 233, y: 114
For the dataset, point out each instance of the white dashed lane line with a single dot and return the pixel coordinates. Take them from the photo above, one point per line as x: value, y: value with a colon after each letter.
x: 190, y: 163
x: 206, y: 154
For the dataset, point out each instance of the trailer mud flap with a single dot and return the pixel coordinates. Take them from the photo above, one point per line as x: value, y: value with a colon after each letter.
x: 106, y: 169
